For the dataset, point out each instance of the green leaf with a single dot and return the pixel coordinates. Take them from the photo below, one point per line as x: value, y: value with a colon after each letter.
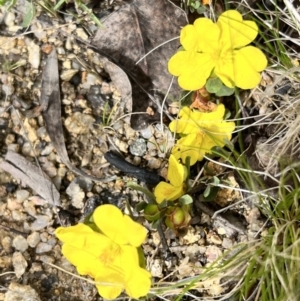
x: 196, y: 4
x: 29, y: 15
x: 212, y: 194
x: 225, y: 91
x: 185, y: 200
x: 137, y: 187
x: 201, y: 10
x: 206, y: 191
x: 215, y: 181
x: 213, y: 85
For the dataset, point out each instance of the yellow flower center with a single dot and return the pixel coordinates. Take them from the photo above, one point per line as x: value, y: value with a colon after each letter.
x: 110, y: 253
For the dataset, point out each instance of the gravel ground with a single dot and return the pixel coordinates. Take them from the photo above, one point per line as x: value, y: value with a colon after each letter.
x: 28, y: 246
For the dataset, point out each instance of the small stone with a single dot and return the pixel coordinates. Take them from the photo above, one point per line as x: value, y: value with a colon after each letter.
x: 81, y: 34
x: 29, y: 207
x: 89, y: 81
x: 43, y: 247
x: 19, y: 292
x: 52, y: 241
x: 34, y: 54
x: 156, y: 268
x: 221, y: 231
x: 77, y: 195
x: 79, y: 123
x: 154, y: 163
x: 214, y: 239
x: 33, y: 239
x: 9, y: 19
x: 18, y: 215
x: 6, y: 243
x: 20, y: 243
x: 212, y: 253
x: 10, y: 138
x: 47, y: 150
x: 22, y: 195
x: 227, y: 243
x: 138, y: 147
x: 5, y: 262
x: 122, y: 145
x: 67, y: 75
x: 19, y: 264
x: 7, y: 43
x: 12, y: 204
x: 147, y: 133
x: 41, y: 222
x: 14, y: 147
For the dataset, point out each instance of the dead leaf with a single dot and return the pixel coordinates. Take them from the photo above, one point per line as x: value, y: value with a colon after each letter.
x: 31, y: 176
x: 134, y: 31
x: 51, y: 104
x: 122, y: 84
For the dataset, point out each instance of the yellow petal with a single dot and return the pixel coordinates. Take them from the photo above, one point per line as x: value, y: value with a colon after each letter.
x: 139, y: 284
x: 192, y: 121
x: 207, y: 35
x: 86, y: 255
x: 211, y: 130
x: 235, y: 31
x: 225, y: 68
x: 177, y: 173
x: 186, y: 123
x: 109, y: 283
x: 137, y: 280
x: 249, y: 61
x: 139, y: 231
x: 165, y: 191
x: 188, y: 37
x: 190, y: 146
x: 74, y: 234
x: 110, y: 220
x: 192, y: 68
x: 85, y: 262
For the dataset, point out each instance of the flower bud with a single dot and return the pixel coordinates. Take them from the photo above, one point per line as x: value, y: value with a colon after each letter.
x: 151, y: 212
x: 178, y: 217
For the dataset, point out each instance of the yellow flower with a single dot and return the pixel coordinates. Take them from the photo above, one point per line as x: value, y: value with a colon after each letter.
x: 202, y: 131
x: 172, y: 191
x: 218, y: 48
x: 110, y: 257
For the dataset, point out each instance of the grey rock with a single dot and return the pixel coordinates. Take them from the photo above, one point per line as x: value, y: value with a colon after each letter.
x: 43, y: 247
x: 20, y: 243
x: 19, y: 264
x: 19, y: 292
x: 6, y: 243
x: 147, y: 132
x: 40, y: 223
x: 22, y: 195
x: 138, y: 147
x: 33, y: 239
x: 77, y: 195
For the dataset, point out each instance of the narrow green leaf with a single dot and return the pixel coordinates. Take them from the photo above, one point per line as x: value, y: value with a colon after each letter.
x: 137, y: 187
x: 29, y: 15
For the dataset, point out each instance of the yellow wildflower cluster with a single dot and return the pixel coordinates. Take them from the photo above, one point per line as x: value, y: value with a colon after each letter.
x: 218, y: 49
x: 201, y: 132
x: 110, y: 256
